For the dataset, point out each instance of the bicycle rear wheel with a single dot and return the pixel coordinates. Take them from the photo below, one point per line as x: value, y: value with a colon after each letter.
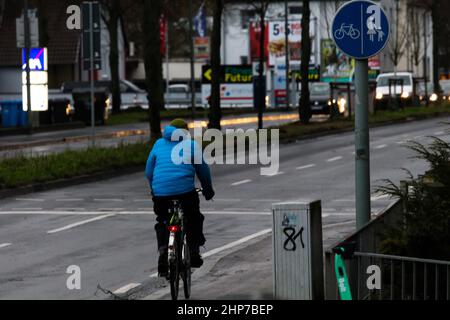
x: 186, y: 269
x: 174, y: 271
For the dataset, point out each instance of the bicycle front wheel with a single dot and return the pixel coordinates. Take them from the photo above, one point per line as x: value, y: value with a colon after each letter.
x: 186, y: 270
x: 174, y: 271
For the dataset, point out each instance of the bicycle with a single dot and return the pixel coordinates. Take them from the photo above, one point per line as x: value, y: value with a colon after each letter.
x: 178, y: 252
x: 346, y: 30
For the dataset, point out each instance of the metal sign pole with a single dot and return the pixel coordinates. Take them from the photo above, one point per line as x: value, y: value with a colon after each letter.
x: 91, y: 39
x: 362, y: 151
x: 27, y: 61
x: 361, y: 30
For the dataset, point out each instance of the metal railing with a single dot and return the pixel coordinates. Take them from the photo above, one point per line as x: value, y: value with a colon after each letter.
x: 366, y: 240
x: 403, y: 278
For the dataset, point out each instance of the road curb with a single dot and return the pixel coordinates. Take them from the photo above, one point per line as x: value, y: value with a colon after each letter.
x: 62, y: 183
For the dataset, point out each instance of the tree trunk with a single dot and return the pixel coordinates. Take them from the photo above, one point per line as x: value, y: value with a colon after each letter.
x: 304, y: 105
x: 113, y: 24
x: 261, y: 98
x: 215, y: 112
x: 435, y: 14
x: 153, y: 64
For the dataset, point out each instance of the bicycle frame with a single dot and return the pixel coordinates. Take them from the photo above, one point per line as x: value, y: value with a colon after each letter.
x: 175, y: 226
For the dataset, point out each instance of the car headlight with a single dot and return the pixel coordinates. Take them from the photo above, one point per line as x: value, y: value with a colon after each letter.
x: 329, y: 102
x: 433, y: 97
x: 405, y: 95
x: 342, y: 102
x: 379, y: 96
x: 267, y: 100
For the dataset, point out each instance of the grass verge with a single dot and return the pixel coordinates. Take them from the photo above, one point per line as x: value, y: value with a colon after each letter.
x: 23, y: 171
x: 291, y: 131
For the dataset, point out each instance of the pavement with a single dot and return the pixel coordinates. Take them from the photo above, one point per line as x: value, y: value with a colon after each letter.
x: 106, y: 227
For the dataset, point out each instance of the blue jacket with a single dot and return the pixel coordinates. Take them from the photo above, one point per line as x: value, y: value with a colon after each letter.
x: 167, y: 176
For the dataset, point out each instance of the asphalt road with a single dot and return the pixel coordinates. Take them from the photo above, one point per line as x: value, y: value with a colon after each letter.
x: 106, y: 227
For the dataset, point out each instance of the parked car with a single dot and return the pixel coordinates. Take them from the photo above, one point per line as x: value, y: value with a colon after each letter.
x: 130, y: 94
x: 445, y: 86
x: 321, y: 100
x: 386, y: 89
x: 179, y: 96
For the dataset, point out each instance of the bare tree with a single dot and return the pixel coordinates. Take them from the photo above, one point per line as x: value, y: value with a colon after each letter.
x: 111, y: 15
x: 414, y: 16
x: 260, y: 8
x: 398, y: 40
x: 151, y: 15
x: 304, y: 105
x: 215, y: 113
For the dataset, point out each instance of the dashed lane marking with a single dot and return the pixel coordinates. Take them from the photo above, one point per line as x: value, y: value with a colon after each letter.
x: 241, y: 182
x: 307, y: 166
x: 4, y: 245
x: 381, y: 146
x: 30, y: 199
x: 126, y: 288
x: 76, y: 224
x: 334, y: 159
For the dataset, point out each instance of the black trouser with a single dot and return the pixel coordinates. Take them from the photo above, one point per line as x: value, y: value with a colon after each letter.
x: 190, y: 204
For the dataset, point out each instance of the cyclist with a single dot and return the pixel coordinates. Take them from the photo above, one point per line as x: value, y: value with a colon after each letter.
x: 171, y: 180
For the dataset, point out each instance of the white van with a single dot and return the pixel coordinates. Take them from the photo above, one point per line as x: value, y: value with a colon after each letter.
x: 405, y: 91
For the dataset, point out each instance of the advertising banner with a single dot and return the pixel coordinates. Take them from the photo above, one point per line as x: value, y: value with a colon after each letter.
x: 201, y: 48
x: 236, y: 84
x: 335, y: 65
x: 254, y: 35
x: 277, y: 41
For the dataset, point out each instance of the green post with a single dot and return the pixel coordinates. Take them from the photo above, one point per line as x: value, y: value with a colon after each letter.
x: 362, y: 152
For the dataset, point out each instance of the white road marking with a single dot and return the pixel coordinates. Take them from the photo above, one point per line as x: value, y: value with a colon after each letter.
x: 417, y: 137
x: 4, y: 245
x: 334, y: 159
x: 29, y: 199
x: 76, y: 224
x: 402, y: 142
x: 241, y: 182
x: 126, y: 288
x: 228, y: 200
x: 229, y: 245
x: 68, y: 200
x: 109, y: 200
x: 140, y: 211
x: 381, y: 146
x: 438, y: 133
x: 379, y: 197
x: 307, y: 166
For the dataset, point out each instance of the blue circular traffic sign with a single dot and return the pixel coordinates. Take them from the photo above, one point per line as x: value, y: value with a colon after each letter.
x: 360, y: 29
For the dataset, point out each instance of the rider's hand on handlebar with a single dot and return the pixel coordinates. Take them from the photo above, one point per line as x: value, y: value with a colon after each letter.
x: 208, y: 194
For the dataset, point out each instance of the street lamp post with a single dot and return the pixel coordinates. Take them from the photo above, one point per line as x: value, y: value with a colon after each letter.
x: 27, y: 63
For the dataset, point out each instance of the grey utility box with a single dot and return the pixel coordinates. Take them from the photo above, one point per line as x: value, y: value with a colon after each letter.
x: 297, y: 251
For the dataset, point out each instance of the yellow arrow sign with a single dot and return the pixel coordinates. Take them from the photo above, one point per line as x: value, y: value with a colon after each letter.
x: 207, y: 74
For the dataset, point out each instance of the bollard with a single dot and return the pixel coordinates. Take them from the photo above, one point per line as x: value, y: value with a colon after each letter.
x: 297, y: 251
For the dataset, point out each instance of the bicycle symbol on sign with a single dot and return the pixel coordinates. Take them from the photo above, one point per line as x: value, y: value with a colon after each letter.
x: 347, y: 30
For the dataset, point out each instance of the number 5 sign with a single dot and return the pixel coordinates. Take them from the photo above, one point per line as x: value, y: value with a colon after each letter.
x: 360, y: 29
